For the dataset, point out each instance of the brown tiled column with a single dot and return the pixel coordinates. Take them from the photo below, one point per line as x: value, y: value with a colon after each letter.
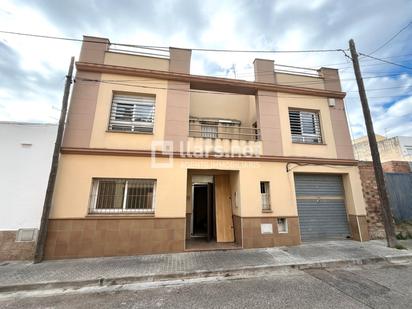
x: 178, y: 99
x: 264, y: 71
x: 268, y: 118
x: 180, y: 60
x: 93, y: 49
x: 341, y: 134
x: 267, y: 109
x: 81, y: 113
x: 84, y: 95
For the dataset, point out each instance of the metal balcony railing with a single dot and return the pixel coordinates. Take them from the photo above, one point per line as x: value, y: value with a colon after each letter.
x: 214, y: 130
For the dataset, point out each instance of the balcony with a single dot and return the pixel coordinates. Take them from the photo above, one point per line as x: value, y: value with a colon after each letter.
x: 222, y: 129
x: 223, y: 123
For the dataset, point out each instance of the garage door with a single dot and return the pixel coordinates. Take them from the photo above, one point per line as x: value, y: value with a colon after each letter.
x: 321, y: 207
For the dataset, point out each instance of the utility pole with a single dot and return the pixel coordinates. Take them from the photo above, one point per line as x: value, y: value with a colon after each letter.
x: 41, y: 239
x: 377, y: 166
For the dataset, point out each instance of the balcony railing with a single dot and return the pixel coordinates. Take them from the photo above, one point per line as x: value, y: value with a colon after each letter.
x: 222, y: 130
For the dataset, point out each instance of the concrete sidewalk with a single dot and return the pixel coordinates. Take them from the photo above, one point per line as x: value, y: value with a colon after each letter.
x: 24, y: 276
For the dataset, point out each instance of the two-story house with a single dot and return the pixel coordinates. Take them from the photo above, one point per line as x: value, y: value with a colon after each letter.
x: 155, y: 159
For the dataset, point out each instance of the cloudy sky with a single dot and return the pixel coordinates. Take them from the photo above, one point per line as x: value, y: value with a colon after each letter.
x: 32, y: 70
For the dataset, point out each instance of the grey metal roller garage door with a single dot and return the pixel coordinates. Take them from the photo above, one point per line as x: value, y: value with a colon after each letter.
x: 321, y: 207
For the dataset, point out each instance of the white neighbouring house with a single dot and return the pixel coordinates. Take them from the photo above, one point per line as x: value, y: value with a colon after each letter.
x: 26, y: 151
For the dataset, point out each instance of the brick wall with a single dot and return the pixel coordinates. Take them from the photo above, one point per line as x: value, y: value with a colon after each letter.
x: 396, y: 167
x: 373, y: 204
x: 10, y: 249
x: 371, y: 195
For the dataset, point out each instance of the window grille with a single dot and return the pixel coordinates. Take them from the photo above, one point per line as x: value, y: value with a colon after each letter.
x: 132, y: 113
x: 123, y: 195
x: 265, y: 195
x: 209, y: 130
x: 222, y: 128
x: 305, y: 127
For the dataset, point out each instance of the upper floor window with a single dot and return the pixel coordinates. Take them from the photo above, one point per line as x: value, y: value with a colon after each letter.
x: 123, y: 195
x: 305, y: 126
x: 132, y: 113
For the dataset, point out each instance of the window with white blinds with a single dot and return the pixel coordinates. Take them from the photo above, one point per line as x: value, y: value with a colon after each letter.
x: 123, y: 195
x: 305, y: 127
x: 132, y: 113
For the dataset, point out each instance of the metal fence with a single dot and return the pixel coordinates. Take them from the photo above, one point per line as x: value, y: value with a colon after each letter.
x: 399, y: 187
x: 218, y: 130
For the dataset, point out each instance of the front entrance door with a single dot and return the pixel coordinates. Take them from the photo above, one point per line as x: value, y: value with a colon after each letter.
x: 224, y: 218
x: 203, y: 211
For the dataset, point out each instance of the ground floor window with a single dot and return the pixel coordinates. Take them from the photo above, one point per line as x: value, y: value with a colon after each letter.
x: 123, y: 195
x: 265, y: 195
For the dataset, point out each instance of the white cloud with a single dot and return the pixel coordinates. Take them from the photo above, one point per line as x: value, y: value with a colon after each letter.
x: 232, y: 24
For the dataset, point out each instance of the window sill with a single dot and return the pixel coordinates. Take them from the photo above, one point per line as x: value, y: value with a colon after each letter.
x: 117, y: 215
x: 303, y: 143
x: 130, y: 132
x: 267, y: 211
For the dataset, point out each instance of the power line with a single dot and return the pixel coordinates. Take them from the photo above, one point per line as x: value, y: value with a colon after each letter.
x: 389, y: 62
x: 165, y: 47
x: 391, y: 39
x: 380, y: 89
x: 112, y: 82
x: 286, y: 83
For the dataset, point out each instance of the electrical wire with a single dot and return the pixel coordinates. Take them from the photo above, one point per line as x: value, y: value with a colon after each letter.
x: 389, y: 62
x: 391, y: 39
x: 166, y: 48
x: 209, y: 92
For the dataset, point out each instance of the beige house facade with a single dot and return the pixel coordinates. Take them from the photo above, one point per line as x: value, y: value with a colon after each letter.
x: 157, y: 160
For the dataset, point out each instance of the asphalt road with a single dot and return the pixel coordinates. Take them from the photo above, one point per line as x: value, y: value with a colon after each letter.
x: 375, y: 286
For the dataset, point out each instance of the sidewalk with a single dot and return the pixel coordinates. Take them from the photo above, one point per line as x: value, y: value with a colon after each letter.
x: 20, y: 276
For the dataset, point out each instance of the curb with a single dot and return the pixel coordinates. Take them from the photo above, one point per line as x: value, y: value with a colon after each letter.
x: 248, y: 270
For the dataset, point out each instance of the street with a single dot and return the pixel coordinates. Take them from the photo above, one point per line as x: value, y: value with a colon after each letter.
x: 371, y: 286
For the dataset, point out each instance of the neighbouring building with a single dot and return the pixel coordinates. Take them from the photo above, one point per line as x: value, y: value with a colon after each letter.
x: 156, y: 160
x: 397, y: 148
x: 26, y: 151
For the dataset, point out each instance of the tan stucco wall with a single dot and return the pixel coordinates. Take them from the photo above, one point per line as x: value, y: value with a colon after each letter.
x: 328, y: 150
x: 299, y: 80
x: 74, y: 181
x: 101, y: 138
x: 73, y: 187
x: 136, y: 61
x: 224, y: 106
x: 281, y: 193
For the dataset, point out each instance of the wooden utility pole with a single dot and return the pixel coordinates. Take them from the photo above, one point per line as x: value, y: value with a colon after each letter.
x: 41, y: 239
x: 377, y: 166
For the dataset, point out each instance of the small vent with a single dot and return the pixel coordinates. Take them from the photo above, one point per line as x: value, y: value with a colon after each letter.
x: 26, y: 235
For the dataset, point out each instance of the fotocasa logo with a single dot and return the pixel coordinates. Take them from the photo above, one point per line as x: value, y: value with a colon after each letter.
x: 163, y: 152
